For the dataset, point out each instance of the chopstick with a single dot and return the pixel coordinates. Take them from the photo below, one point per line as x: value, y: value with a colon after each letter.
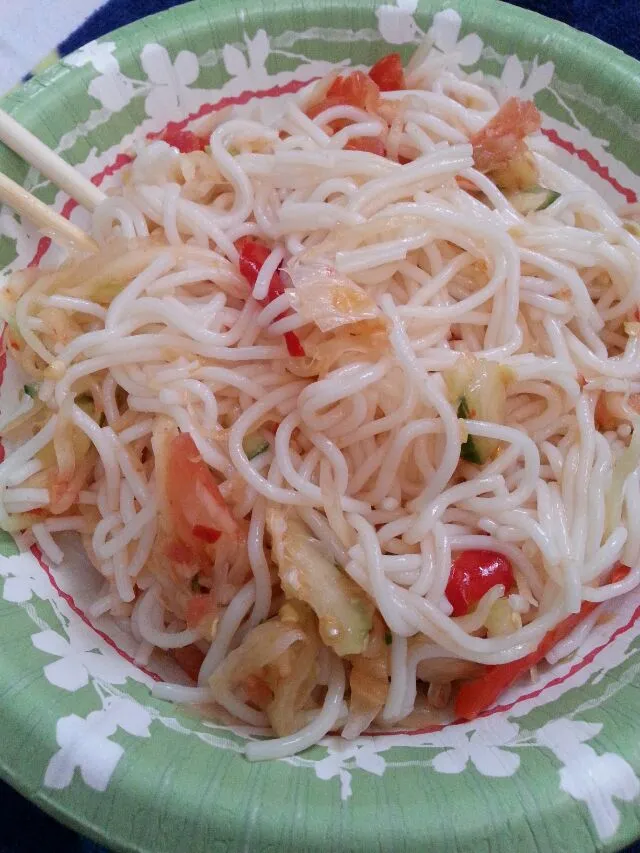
x: 51, y: 165
x: 50, y: 222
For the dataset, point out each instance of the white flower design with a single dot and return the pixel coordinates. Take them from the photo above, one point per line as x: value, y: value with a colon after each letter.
x: 113, y: 90
x: 445, y: 31
x: 396, y: 23
x: 85, y: 745
x: 78, y: 658
x: 512, y: 80
x: 96, y: 53
x: 344, y: 756
x: 251, y: 70
x: 595, y: 779
x: 483, y: 749
x: 22, y: 582
x: 169, y: 96
x: 24, y: 577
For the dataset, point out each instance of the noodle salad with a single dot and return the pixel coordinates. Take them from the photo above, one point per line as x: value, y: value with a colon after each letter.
x: 344, y: 407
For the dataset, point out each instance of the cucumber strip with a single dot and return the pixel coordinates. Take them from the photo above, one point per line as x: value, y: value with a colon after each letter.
x: 477, y: 389
x: 552, y: 196
x: 254, y: 444
x: 345, y: 613
x: 535, y: 199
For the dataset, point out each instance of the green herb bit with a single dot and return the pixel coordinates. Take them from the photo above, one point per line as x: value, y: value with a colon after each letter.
x: 468, y: 450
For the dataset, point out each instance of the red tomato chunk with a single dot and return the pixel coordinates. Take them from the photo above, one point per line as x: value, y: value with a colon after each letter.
x: 473, y: 574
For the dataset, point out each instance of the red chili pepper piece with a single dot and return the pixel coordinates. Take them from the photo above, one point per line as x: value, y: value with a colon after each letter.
x: 253, y: 254
x: 294, y: 347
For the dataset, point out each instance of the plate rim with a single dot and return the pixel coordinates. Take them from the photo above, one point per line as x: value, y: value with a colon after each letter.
x: 20, y: 101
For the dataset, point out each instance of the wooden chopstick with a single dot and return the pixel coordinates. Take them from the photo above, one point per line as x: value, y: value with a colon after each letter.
x: 51, y: 165
x: 44, y: 217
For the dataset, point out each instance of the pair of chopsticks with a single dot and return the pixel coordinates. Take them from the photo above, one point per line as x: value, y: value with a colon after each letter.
x: 52, y: 166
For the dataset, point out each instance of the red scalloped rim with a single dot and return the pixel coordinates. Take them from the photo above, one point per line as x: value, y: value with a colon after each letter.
x: 593, y: 165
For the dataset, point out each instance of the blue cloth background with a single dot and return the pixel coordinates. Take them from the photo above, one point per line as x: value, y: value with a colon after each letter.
x: 23, y: 828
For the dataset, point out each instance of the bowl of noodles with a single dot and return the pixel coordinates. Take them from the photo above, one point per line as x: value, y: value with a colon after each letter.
x: 320, y: 479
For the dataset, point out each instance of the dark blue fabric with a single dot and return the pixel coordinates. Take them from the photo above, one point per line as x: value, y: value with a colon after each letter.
x: 25, y: 829
x: 614, y: 21
x: 114, y: 14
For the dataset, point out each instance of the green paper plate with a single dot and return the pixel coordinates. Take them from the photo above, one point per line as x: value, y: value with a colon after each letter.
x: 557, y: 765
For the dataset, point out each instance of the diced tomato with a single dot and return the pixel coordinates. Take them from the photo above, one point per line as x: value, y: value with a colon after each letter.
x: 353, y: 90
x: 473, y: 573
x: 388, y: 74
x: 199, y: 608
x: 501, y: 139
x: 184, y: 140
x: 335, y: 90
x: 324, y: 104
x: 480, y: 693
x: 189, y: 659
x: 194, y: 498
x: 253, y: 254
x: 370, y: 144
x: 357, y: 90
